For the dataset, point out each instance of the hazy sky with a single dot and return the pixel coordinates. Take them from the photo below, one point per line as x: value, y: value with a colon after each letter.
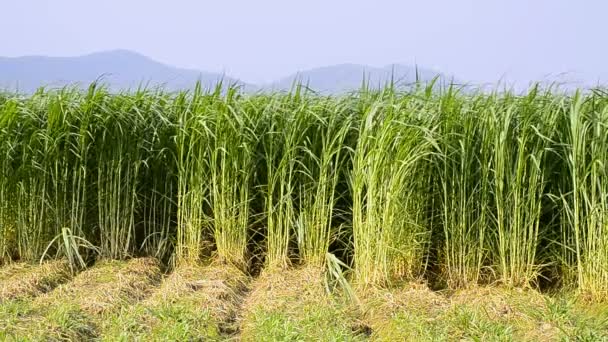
x: 258, y: 41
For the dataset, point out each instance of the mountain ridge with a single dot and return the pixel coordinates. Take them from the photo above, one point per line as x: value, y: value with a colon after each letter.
x: 125, y: 69
x: 349, y: 76
x: 120, y: 69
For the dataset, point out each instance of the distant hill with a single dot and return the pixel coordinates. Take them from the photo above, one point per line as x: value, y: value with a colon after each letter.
x: 123, y: 69
x: 347, y: 77
x: 120, y: 69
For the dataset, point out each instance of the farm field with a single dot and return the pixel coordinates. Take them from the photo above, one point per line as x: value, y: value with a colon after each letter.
x: 427, y: 214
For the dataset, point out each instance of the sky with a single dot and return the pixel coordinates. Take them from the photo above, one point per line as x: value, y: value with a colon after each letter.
x: 481, y: 41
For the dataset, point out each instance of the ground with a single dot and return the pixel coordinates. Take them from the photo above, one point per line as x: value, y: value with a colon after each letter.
x: 136, y: 300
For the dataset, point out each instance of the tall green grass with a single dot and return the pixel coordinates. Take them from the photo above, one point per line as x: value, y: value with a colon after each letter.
x: 522, y: 142
x: 286, y: 122
x: 8, y: 118
x: 192, y: 140
x: 585, y: 191
x: 325, y: 153
x: 390, y: 180
x: 442, y: 183
x: 464, y: 177
x: 231, y: 159
x: 158, y: 185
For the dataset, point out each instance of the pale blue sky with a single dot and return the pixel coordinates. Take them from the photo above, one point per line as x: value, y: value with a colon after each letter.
x: 258, y: 41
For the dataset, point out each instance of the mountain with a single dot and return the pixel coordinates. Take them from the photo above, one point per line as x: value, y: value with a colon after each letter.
x: 122, y: 69
x: 119, y: 69
x: 348, y: 77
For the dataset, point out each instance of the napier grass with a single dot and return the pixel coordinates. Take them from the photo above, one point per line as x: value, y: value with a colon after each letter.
x: 456, y: 187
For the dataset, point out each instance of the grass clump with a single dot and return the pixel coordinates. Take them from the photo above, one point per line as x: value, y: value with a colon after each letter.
x: 389, y: 183
x: 286, y: 126
x: 325, y: 152
x: 231, y: 160
x: 522, y: 143
x: 464, y: 182
x: 584, y: 193
x: 192, y: 139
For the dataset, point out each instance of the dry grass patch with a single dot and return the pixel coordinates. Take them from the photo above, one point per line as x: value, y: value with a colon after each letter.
x: 218, y: 287
x: 512, y: 308
x: 385, y: 310
x: 74, y: 311
x: 8, y: 270
x: 108, y: 285
x: 194, y: 302
x: 20, y: 281
x: 414, y: 312
x: 294, y: 304
x: 498, y: 302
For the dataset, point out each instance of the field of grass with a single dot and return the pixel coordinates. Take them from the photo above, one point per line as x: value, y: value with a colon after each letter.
x: 428, y: 213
